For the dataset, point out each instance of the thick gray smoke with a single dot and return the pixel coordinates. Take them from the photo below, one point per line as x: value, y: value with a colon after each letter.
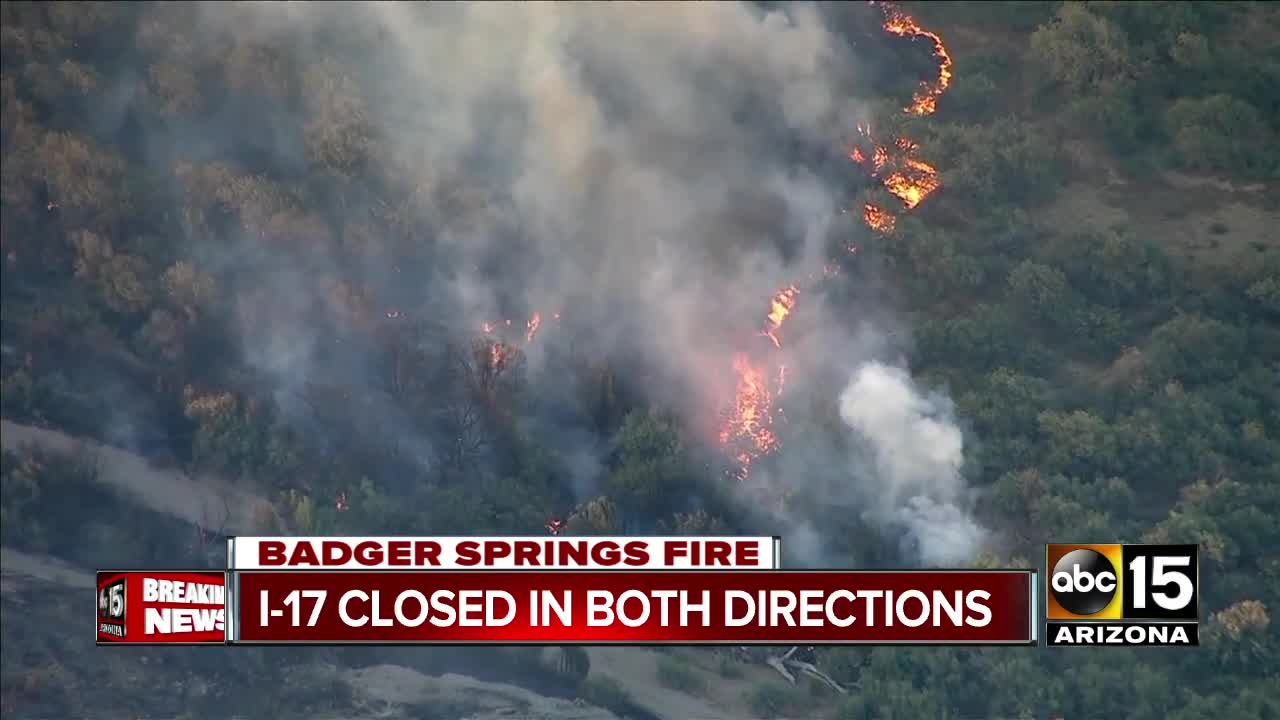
x: 636, y: 163
x: 917, y: 451
x: 637, y: 172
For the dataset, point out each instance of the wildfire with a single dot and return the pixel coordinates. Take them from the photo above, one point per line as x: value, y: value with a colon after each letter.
x: 910, y: 179
x: 747, y: 433
x: 879, y: 219
x: 925, y: 100
x: 500, y: 350
x: 779, y: 308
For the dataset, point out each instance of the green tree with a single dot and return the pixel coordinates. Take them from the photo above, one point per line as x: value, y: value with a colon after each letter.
x: 174, y: 89
x: 596, y: 517
x: 651, y: 469
x: 1078, y: 443
x: 1039, y: 288
x: 1003, y: 409
x: 1084, y: 52
x: 1115, y: 267
x: 189, y: 288
x: 84, y: 180
x: 1005, y: 162
x: 162, y: 336
x: 1195, y: 349
x: 228, y: 438
x: 338, y: 133
x: 1220, y: 133
x: 698, y: 522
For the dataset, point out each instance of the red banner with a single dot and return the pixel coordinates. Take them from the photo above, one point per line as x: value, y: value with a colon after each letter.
x: 984, y: 607
x: 155, y: 606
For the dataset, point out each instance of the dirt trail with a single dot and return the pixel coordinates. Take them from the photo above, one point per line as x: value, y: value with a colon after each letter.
x: 16, y: 565
x: 208, y: 501
x: 176, y: 494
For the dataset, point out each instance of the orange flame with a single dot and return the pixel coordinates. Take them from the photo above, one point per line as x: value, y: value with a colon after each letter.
x: 879, y: 219
x: 925, y: 100
x: 915, y: 185
x: 912, y: 180
x: 779, y: 308
x: 499, y: 351
x: 747, y: 432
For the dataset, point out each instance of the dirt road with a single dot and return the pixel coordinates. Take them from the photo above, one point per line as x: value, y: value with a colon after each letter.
x: 204, y: 501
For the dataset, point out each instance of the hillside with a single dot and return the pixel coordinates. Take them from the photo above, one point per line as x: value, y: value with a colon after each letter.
x: 903, y: 283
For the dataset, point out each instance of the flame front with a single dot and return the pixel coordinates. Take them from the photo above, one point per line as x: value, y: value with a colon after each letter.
x: 779, y: 308
x: 499, y: 350
x: 747, y: 433
x: 910, y: 179
x: 900, y: 171
x: 878, y: 219
x: 925, y: 100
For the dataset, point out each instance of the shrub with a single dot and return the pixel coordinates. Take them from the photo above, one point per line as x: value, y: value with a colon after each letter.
x: 677, y: 675
x: 606, y: 693
x: 775, y: 701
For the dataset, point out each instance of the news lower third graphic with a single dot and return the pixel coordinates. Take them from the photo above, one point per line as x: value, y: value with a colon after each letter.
x: 1113, y: 594
x: 555, y: 591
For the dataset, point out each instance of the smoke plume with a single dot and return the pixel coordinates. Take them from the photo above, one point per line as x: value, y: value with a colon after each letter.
x: 917, y: 452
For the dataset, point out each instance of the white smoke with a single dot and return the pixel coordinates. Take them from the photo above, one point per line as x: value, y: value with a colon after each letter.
x: 917, y: 452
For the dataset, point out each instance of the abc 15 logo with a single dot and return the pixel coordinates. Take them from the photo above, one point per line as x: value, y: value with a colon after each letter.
x: 111, y: 601
x: 1123, y: 582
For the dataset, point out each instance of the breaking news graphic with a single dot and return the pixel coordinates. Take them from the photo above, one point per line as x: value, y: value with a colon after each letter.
x: 153, y: 607
x: 1126, y: 595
